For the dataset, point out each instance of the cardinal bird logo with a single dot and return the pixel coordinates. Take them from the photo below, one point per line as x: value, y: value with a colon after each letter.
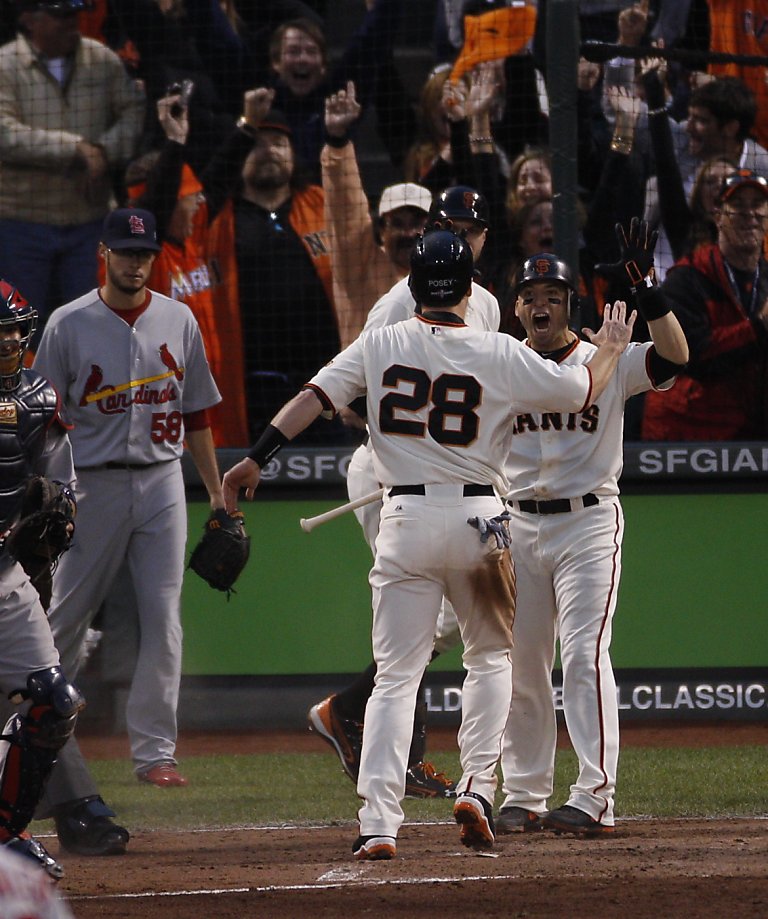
x: 92, y: 383
x: 170, y: 362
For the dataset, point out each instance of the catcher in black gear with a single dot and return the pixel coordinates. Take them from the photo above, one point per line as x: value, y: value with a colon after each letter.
x: 223, y: 551
x: 36, y: 512
x: 44, y: 531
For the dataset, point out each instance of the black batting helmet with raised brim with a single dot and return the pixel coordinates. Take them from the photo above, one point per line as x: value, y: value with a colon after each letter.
x: 544, y: 267
x: 547, y: 267
x: 459, y: 202
x: 441, y: 269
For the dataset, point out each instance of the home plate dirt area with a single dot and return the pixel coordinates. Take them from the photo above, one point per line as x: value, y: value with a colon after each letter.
x: 648, y: 869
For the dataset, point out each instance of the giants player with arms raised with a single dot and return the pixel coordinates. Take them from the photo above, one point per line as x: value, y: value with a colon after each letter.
x: 566, y: 529
x: 440, y: 402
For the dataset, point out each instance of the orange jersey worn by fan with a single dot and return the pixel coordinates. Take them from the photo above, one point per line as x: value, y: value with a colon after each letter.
x: 741, y: 27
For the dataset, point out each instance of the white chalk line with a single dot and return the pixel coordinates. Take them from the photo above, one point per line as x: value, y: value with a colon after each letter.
x: 340, y: 877
x: 332, y: 885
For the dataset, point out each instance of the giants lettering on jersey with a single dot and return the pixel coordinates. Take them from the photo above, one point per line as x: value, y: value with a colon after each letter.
x: 585, y: 421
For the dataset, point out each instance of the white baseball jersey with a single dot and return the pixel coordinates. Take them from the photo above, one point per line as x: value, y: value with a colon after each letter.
x: 441, y: 397
x: 397, y: 304
x: 126, y: 400
x: 566, y: 455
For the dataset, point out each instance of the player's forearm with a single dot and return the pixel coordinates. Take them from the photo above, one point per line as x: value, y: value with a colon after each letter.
x: 602, y: 367
x: 669, y: 339
x: 200, y: 445
x: 298, y: 414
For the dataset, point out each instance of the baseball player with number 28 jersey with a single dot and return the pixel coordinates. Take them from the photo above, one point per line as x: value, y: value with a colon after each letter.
x: 441, y: 398
x: 130, y: 367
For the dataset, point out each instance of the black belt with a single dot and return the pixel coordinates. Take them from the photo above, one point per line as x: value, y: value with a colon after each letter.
x: 115, y: 465
x: 470, y: 491
x: 556, y: 506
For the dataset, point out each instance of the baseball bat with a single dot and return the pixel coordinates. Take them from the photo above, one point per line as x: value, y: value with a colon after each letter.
x: 309, y: 523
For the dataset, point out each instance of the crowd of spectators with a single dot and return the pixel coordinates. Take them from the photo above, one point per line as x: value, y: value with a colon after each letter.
x: 247, y: 130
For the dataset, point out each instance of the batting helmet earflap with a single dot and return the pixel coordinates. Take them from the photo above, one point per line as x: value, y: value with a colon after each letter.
x: 441, y: 269
x: 14, y: 311
x: 547, y: 267
x: 459, y: 202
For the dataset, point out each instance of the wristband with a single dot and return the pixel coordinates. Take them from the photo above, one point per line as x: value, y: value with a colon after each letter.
x: 651, y: 303
x: 271, y: 440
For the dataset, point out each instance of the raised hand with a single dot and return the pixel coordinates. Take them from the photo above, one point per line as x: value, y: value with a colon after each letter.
x: 616, y: 330
x: 341, y: 110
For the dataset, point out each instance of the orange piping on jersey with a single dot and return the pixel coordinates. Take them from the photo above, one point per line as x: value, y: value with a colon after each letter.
x: 603, y: 625
x: 327, y: 404
x: 459, y: 324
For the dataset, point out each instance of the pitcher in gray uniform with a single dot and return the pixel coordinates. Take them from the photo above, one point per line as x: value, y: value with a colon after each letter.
x: 33, y: 440
x: 130, y: 367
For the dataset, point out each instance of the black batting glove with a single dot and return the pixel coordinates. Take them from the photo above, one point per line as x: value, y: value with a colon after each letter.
x: 636, y: 260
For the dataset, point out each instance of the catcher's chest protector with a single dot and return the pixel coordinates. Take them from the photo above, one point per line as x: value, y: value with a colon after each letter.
x: 25, y: 415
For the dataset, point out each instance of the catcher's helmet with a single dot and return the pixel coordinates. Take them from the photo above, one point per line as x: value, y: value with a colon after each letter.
x: 441, y: 269
x: 546, y: 267
x: 14, y: 311
x: 460, y: 202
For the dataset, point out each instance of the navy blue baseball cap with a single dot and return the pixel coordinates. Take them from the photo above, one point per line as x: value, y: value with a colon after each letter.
x: 130, y: 228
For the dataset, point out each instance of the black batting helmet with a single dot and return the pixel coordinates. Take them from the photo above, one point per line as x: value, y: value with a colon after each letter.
x: 546, y: 267
x: 441, y: 269
x: 14, y: 311
x: 460, y: 202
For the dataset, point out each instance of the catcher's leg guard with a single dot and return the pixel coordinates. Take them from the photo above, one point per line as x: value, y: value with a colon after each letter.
x: 29, y: 745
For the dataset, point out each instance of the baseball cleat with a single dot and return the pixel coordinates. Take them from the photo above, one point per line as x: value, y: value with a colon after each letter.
x: 84, y: 828
x: 475, y: 817
x: 423, y: 781
x: 517, y: 820
x: 374, y: 848
x: 163, y: 775
x: 33, y: 850
x: 567, y: 819
x: 344, y: 734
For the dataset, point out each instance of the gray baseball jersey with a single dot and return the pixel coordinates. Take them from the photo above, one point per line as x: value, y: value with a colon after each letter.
x: 126, y: 387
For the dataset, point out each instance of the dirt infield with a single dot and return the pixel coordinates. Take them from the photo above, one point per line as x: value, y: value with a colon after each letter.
x: 691, y: 869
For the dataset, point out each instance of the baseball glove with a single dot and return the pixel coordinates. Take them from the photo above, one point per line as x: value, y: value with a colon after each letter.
x: 223, y: 551
x: 44, y: 531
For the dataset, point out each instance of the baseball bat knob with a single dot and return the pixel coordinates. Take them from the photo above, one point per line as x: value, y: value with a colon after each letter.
x: 305, y: 525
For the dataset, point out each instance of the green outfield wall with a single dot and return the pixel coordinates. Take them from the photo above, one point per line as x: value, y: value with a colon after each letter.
x: 694, y: 591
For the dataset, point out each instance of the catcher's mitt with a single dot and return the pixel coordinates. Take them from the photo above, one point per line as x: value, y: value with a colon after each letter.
x: 44, y: 531
x: 222, y: 552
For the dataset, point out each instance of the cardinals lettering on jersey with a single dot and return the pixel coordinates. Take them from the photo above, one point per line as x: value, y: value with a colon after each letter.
x: 116, y: 398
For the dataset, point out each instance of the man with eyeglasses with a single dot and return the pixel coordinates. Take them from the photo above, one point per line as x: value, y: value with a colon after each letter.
x: 720, y: 295
x: 130, y: 368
